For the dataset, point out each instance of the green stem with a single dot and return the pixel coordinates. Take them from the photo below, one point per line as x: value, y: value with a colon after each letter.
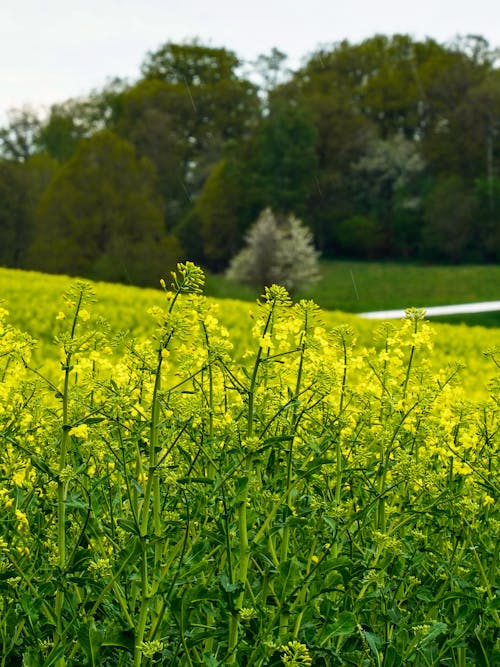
x: 242, y: 514
x: 487, y: 585
x: 144, y: 609
x: 62, y: 486
x: 410, y: 361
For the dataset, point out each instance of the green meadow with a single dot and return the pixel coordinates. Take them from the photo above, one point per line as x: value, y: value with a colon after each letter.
x: 356, y: 287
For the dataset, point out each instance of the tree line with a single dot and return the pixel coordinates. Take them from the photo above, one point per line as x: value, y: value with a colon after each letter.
x: 386, y: 149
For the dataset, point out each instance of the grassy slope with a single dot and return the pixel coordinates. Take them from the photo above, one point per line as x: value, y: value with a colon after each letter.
x: 363, y: 286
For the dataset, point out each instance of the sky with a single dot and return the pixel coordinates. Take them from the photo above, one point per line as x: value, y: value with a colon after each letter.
x: 53, y: 50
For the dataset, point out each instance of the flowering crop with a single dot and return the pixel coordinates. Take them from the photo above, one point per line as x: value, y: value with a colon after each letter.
x: 183, y: 499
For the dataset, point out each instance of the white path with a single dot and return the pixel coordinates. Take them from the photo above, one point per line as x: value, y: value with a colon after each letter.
x: 456, y: 309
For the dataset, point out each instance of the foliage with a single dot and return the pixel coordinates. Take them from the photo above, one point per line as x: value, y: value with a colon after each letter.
x: 153, y: 118
x: 310, y: 503
x: 283, y: 161
x: 360, y: 236
x: 100, y: 216
x: 222, y: 211
x: 278, y: 249
x: 394, y: 135
x: 189, y: 104
x: 433, y: 100
x: 449, y: 220
x: 190, y: 64
x: 14, y: 213
x: 18, y: 140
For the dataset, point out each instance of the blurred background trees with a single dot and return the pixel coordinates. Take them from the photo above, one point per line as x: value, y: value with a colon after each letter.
x: 385, y: 149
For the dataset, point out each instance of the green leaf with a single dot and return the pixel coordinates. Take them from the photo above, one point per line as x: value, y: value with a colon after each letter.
x: 39, y: 464
x: 121, y: 639
x: 374, y: 642
x: 210, y: 660
x: 55, y: 655
x: 197, y: 480
x: 344, y: 625
x: 228, y: 586
x: 240, y: 490
x: 128, y: 526
x: 392, y: 658
x: 437, y: 628
x: 277, y: 439
x: 91, y: 640
x: 93, y: 420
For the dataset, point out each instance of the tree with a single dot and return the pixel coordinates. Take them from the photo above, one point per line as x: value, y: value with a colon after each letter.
x: 441, y: 99
x: 14, y: 213
x: 101, y: 218
x: 222, y: 105
x: 152, y: 118
x: 21, y: 186
x: 60, y: 134
x: 189, y: 105
x: 19, y: 139
x: 387, y: 180
x: 361, y: 236
x: 190, y: 64
x: 278, y: 250
x: 323, y: 89
x: 71, y: 121
x: 283, y: 161
x: 449, y: 219
x: 270, y: 70
x: 221, y: 213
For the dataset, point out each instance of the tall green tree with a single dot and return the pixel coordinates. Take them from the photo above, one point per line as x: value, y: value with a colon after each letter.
x: 221, y: 213
x: 100, y: 217
x: 70, y: 121
x: 191, y: 64
x: 449, y: 221
x: 388, y: 184
x: 189, y: 104
x: 284, y: 161
x: 14, y: 213
x: 152, y: 118
x: 440, y: 98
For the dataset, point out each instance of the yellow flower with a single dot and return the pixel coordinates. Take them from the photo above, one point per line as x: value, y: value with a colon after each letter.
x: 80, y: 431
x: 266, y: 343
x: 22, y: 521
x: 19, y: 477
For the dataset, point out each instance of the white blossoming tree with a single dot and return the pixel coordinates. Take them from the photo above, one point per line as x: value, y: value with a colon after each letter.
x: 277, y: 251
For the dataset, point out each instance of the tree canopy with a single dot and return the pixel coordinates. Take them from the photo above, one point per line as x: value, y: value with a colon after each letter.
x: 385, y: 148
x: 101, y: 217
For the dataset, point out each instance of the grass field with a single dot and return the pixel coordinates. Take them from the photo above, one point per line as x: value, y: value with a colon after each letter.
x: 357, y: 287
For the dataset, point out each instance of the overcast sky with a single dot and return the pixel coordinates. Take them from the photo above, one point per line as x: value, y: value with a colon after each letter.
x: 51, y: 50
